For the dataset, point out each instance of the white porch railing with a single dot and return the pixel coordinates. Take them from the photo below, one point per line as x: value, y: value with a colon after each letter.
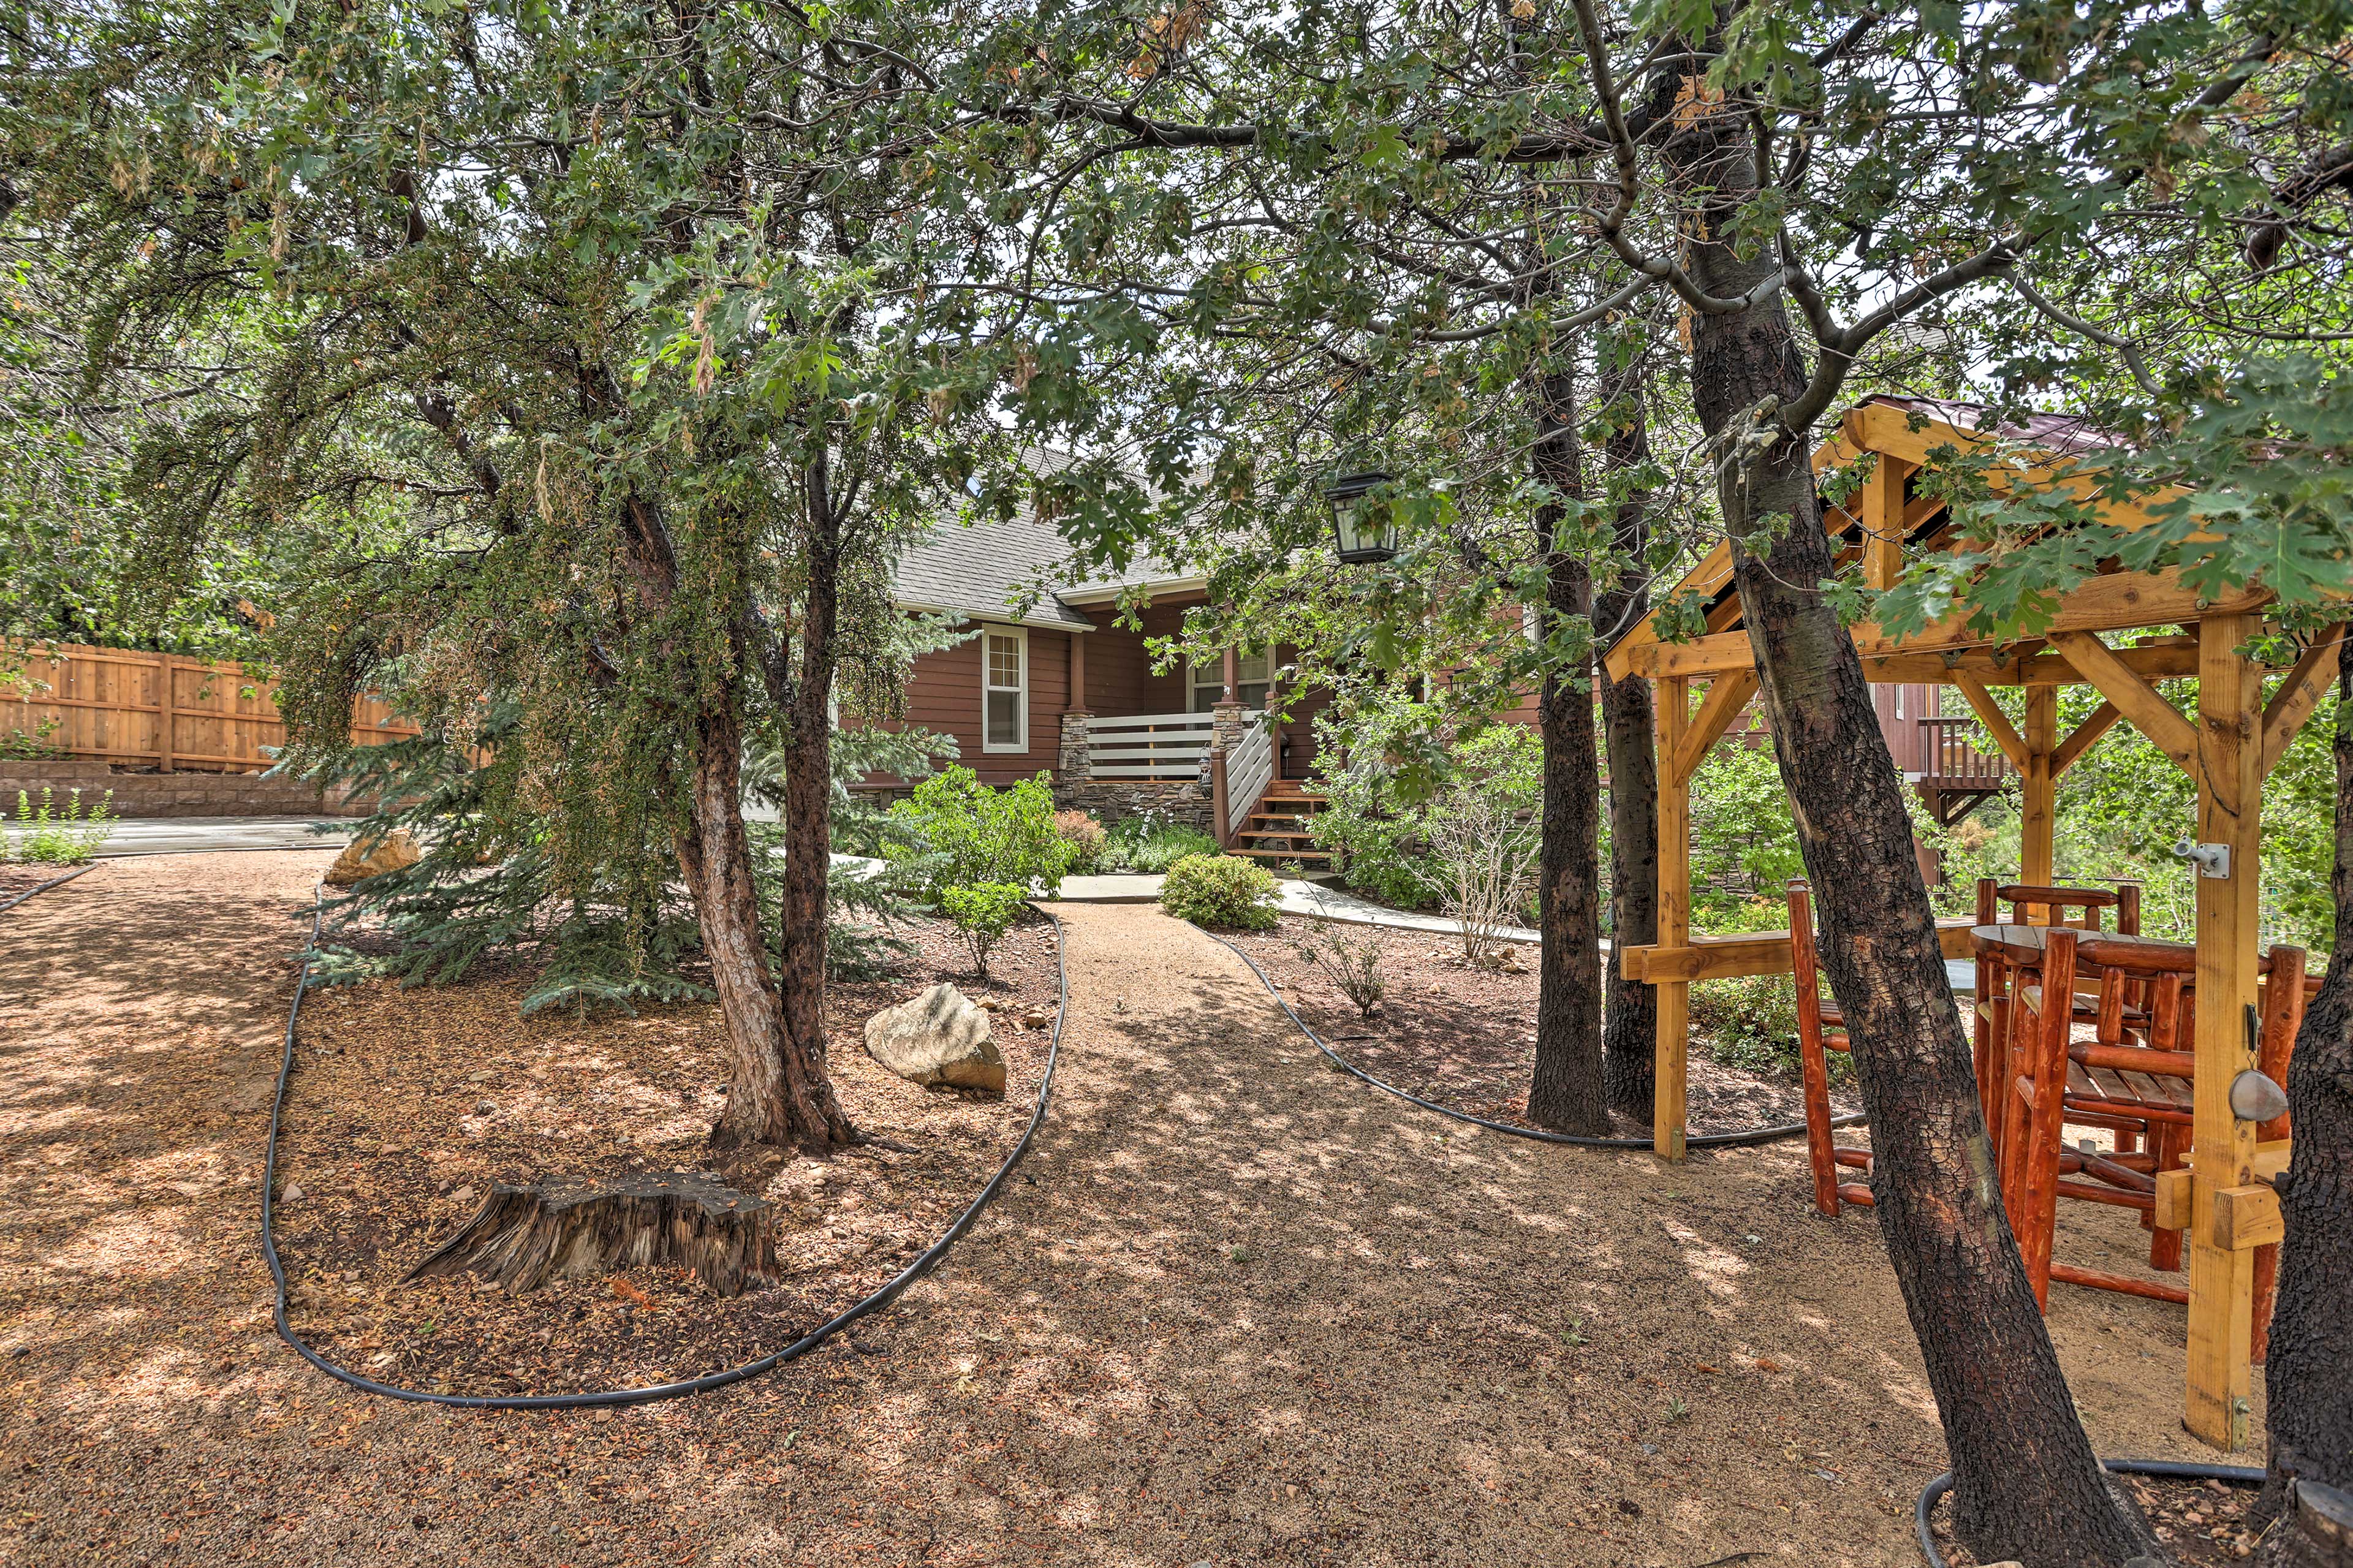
x: 1250, y: 767
x: 1149, y: 746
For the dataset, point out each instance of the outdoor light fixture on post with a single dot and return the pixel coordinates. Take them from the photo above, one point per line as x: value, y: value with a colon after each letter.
x: 1363, y: 526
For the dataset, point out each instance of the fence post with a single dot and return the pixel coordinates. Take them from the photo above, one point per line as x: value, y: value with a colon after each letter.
x: 163, y: 711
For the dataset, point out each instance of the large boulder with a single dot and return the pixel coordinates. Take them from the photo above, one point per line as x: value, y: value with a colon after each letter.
x: 365, y: 857
x: 938, y: 1037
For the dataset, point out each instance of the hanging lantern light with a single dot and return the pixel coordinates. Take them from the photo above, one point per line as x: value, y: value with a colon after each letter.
x: 1362, y: 523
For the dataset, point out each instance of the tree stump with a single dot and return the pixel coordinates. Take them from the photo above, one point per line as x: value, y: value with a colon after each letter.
x: 573, y: 1227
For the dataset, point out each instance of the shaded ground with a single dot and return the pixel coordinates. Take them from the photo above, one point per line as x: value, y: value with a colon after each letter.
x: 1240, y: 1309
x: 405, y: 1106
x: 1466, y: 1039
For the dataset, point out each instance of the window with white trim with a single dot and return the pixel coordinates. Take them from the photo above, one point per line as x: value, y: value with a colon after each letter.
x: 1253, y: 679
x: 1004, y: 689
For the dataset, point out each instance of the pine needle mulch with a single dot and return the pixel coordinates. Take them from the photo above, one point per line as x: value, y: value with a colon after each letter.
x: 406, y: 1105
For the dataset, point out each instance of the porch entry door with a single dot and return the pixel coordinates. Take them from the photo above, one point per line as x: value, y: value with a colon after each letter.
x: 1253, y: 679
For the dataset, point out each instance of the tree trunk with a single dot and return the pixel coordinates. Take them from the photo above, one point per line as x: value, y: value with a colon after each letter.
x: 2027, y: 1484
x: 1565, y: 1091
x: 776, y: 1088
x: 714, y: 855
x: 807, y: 812
x: 1629, y: 1021
x: 577, y: 1227
x: 2309, y: 1375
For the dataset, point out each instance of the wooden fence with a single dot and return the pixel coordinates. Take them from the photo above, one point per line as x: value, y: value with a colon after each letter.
x: 180, y: 714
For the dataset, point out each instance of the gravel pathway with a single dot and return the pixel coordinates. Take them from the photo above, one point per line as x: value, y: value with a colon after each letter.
x: 1237, y: 1309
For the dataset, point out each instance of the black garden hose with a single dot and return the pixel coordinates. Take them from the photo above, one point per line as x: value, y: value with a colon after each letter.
x: 1746, y: 1135
x: 2169, y: 1469
x: 923, y: 1264
x: 44, y: 887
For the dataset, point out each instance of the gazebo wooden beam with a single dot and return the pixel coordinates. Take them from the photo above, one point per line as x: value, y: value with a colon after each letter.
x: 2139, y: 701
x: 2022, y: 664
x: 1996, y: 721
x: 1727, y: 695
x: 2228, y: 747
x: 2120, y: 602
x: 2307, y: 681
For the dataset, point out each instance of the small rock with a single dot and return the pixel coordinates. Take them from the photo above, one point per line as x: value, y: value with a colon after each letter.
x: 462, y: 1195
x: 362, y: 859
x: 292, y: 1194
x: 939, y: 1038
x: 1036, y: 1018
x: 991, y: 1005
x: 485, y: 1108
x: 480, y: 1075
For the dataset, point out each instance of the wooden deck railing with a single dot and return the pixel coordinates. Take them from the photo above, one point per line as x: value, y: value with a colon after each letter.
x: 120, y: 705
x: 1949, y: 755
x: 1149, y: 746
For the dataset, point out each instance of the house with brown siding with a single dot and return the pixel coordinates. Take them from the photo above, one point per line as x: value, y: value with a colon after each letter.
x: 1053, y: 679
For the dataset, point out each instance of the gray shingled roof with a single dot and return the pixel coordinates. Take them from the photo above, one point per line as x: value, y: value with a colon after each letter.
x: 985, y: 569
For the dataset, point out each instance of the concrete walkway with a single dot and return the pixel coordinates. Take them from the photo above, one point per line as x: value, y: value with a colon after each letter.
x: 186, y: 834
x: 1297, y: 897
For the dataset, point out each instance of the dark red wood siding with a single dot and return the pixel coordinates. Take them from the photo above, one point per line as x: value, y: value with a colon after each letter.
x: 944, y: 694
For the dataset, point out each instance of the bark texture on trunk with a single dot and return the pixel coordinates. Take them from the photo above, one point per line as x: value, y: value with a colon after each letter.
x: 2027, y: 1484
x: 777, y: 1091
x: 808, y: 826
x: 2309, y: 1377
x: 1565, y: 1091
x: 1629, y: 1019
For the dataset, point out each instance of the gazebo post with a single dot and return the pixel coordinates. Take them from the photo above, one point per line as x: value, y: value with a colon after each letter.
x: 1667, y: 1059
x: 2230, y: 757
x: 2038, y: 815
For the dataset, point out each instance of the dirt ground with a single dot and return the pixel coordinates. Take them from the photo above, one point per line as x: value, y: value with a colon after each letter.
x: 1466, y: 1038
x: 1239, y: 1309
x: 406, y: 1105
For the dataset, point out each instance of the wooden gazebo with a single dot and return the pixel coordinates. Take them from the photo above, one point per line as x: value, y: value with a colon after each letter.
x: 2238, y: 735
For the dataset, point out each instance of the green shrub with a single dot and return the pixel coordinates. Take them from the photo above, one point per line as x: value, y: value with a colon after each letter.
x: 956, y: 832
x: 1751, y: 1023
x: 984, y: 912
x: 1381, y: 856
x: 1086, y: 839
x: 16, y: 746
x: 1220, y: 890
x: 1150, y: 844
x: 51, y: 835
x: 1394, y: 766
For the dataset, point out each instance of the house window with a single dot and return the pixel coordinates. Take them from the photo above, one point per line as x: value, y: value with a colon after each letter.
x: 1253, y: 679
x: 1005, y: 689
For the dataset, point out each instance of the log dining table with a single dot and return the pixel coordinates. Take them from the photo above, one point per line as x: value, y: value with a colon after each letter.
x: 2095, y: 1073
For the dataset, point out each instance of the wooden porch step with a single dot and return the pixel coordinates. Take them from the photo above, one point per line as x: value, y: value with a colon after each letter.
x: 1302, y: 855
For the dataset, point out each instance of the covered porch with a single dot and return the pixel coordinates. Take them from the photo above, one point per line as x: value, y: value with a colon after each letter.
x: 1228, y: 746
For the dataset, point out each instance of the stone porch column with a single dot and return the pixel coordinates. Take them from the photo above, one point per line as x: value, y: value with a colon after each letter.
x: 1073, y: 765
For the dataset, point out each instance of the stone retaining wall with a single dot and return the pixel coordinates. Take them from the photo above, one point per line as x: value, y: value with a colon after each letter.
x: 1114, y: 800
x: 169, y: 794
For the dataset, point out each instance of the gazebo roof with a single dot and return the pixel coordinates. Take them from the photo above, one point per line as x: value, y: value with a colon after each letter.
x: 1888, y: 518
